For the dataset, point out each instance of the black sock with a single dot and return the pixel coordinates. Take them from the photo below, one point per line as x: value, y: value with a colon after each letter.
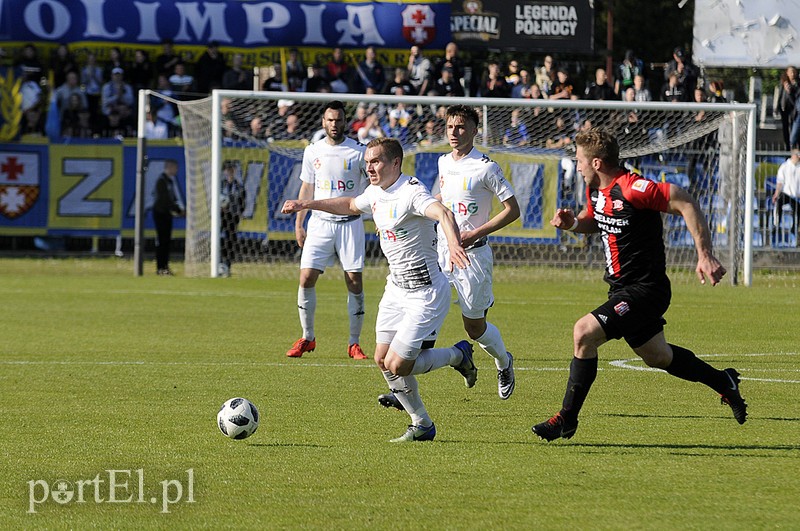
x: 687, y: 366
x: 582, y: 373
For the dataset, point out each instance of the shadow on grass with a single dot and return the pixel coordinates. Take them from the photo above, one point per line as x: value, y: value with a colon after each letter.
x: 681, y: 417
x: 290, y: 445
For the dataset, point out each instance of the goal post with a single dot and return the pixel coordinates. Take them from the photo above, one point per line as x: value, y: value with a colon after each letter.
x: 707, y: 148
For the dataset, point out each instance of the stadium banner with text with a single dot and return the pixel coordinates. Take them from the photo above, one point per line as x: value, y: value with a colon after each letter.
x: 533, y: 26
x: 89, y: 188
x: 237, y: 26
x: 77, y: 189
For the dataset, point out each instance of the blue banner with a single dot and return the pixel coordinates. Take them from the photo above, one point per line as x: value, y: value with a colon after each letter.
x: 241, y: 24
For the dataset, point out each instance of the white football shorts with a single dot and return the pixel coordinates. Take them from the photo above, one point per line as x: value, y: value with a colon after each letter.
x: 406, y: 318
x: 474, y: 284
x: 325, y: 240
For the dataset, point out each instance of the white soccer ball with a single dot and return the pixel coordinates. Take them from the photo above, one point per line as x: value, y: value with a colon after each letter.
x: 238, y: 418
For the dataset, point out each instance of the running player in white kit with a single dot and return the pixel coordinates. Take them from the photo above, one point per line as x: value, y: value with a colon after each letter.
x: 468, y: 183
x: 417, y: 294
x: 332, y: 167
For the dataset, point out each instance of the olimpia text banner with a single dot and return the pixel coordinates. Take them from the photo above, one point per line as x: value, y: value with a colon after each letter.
x: 233, y: 23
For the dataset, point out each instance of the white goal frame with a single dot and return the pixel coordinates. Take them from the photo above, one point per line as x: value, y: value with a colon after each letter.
x: 741, y: 261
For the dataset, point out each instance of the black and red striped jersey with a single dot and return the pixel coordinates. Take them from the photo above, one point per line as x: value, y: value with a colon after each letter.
x: 628, y: 213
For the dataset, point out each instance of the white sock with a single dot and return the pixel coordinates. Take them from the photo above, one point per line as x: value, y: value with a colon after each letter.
x: 492, y: 342
x: 307, y: 307
x: 434, y: 358
x: 355, y: 307
x: 406, y: 389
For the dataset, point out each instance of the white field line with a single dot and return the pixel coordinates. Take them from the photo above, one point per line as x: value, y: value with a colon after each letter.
x: 625, y: 364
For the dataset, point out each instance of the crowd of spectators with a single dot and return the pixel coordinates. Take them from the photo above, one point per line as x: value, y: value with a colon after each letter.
x: 98, y: 99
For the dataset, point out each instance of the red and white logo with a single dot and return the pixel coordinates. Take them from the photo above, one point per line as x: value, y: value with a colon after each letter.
x: 616, y: 204
x: 19, y: 182
x: 317, y: 164
x: 418, y: 24
x: 622, y: 308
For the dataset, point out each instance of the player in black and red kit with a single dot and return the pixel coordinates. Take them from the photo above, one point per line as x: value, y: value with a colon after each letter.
x: 626, y: 209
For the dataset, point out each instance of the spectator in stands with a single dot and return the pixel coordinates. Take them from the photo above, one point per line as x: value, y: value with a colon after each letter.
x: 419, y: 71
x: 69, y: 88
x: 561, y: 135
x: 523, y: 88
x: 117, y: 96
x: 400, y: 80
x: 358, y: 121
x: 494, y: 82
x: 209, y: 69
x: 296, y: 71
x: 516, y: 133
x: 545, y: 75
x: 33, y: 121
x: 672, y: 90
x: 599, y: 89
x: 28, y: 60
x: 641, y: 92
x: 85, y: 128
x: 716, y: 89
x: 630, y: 67
x: 370, y: 76
x: 337, y: 72
x: 397, y: 126
x: 447, y: 84
x: 686, y: 71
x: 141, y: 73
x: 787, y: 192
x: 512, y: 78
x: 115, y: 60
x: 237, y: 77
x: 371, y: 129
x: 62, y: 62
x: 92, y: 81
x: 433, y: 135
x: 116, y: 127
x: 180, y: 82
x: 275, y: 80
x: 317, y: 81
x: 258, y: 130
x: 70, y: 115
x: 450, y: 59
x: 166, y: 61
x: 786, y: 102
x: 155, y: 128
x: 562, y: 89
x: 166, y: 111
x: 291, y: 129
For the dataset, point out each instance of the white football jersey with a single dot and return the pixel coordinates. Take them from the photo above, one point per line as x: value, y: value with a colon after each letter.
x: 469, y: 186
x: 334, y: 171
x: 408, y: 238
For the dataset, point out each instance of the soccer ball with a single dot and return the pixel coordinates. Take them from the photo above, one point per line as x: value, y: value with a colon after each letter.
x: 238, y: 418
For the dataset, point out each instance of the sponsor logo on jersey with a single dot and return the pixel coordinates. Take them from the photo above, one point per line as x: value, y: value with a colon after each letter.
x: 464, y: 209
x: 616, y: 204
x: 467, y: 184
x: 335, y: 184
x: 640, y: 185
x: 393, y: 235
x: 622, y: 308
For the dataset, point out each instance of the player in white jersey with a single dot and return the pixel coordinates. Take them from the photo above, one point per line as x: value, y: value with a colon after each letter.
x: 417, y: 295
x: 468, y: 183
x: 332, y: 167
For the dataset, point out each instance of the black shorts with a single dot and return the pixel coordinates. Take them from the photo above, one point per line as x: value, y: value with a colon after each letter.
x: 634, y: 313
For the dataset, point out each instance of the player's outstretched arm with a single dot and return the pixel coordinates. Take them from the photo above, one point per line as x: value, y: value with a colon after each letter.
x: 306, y: 192
x: 683, y: 204
x: 438, y: 212
x: 342, y: 206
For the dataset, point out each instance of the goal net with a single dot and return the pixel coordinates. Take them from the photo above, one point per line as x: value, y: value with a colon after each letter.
x: 705, y: 148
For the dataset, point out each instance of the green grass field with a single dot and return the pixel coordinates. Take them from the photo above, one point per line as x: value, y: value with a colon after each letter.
x: 101, y: 371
